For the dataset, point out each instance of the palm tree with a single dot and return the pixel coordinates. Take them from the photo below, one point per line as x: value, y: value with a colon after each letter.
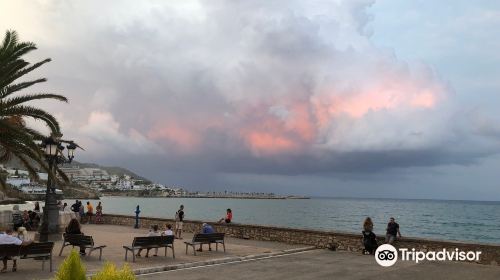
x: 16, y: 139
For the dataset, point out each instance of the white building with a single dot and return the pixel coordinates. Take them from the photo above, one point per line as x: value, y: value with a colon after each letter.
x: 18, y: 181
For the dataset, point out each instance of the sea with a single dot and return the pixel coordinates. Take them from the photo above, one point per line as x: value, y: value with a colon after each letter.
x: 469, y: 221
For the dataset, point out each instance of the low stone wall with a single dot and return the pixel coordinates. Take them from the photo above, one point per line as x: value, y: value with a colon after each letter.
x: 321, y: 239
x: 64, y: 218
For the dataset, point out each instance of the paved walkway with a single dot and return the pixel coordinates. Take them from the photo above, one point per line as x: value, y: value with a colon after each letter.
x: 324, y: 264
x: 248, y: 259
x: 114, y: 237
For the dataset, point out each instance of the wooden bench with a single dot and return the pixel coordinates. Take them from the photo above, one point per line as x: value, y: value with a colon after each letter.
x: 80, y: 240
x: 206, y: 238
x: 38, y: 251
x: 150, y: 242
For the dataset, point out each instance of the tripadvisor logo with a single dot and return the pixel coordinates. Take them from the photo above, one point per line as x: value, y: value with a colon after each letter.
x: 386, y: 255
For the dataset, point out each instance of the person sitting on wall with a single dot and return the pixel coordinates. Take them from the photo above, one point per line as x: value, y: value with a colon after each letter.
x: 392, y: 231
x: 228, y: 218
x: 206, y: 229
x: 369, y: 238
x: 74, y: 228
x: 7, y: 238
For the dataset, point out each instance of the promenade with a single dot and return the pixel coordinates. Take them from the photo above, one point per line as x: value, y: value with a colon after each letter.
x: 327, y: 265
x: 248, y: 259
x: 114, y: 237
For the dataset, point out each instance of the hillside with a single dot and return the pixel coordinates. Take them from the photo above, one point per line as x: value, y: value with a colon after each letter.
x: 14, y: 163
x: 111, y: 170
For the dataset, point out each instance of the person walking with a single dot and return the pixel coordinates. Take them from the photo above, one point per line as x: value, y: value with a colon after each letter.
x: 179, y: 221
x: 392, y: 231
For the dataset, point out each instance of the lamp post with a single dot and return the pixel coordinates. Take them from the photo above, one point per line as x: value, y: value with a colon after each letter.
x: 53, y: 148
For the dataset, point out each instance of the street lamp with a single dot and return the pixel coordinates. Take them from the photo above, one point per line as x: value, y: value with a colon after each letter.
x: 52, y: 149
x: 71, y: 150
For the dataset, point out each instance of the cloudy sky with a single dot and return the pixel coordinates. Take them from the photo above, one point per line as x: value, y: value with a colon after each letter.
x: 360, y: 98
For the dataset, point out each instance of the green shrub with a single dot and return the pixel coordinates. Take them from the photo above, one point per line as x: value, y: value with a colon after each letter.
x: 72, y: 268
x: 109, y: 272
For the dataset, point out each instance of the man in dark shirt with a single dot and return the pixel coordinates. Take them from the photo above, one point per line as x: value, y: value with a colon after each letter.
x: 75, y: 207
x: 392, y: 231
x: 179, y: 221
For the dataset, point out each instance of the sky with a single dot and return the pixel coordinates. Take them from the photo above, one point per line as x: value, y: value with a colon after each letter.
x: 354, y: 98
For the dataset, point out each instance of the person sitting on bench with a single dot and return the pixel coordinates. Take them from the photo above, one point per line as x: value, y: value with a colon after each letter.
x: 74, y: 228
x: 206, y: 229
x: 7, y: 238
x: 152, y: 232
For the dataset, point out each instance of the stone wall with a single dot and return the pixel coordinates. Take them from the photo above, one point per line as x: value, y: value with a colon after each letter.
x: 321, y: 239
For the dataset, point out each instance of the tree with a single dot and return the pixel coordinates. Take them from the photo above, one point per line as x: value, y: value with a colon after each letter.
x: 16, y: 139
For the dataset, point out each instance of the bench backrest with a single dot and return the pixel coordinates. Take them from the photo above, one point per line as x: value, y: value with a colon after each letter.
x: 78, y: 239
x: 42, y: 248
x: 7, y: 250
x: 208, y: 237
x: 153, y: 240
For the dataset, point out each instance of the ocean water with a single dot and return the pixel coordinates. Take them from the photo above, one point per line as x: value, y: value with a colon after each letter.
x: 437, y: 219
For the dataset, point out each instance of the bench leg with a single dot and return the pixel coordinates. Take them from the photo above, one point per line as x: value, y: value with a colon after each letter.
x: 216, y: 246
x: 224, y: 245
x: 133, y: 255
x: 90, y: 252
x: 173, y: 251
x: 62, y: 247
x: 166, y: 250
x: 100, y: 253
x: 186, y: 249
x: 126, y: 254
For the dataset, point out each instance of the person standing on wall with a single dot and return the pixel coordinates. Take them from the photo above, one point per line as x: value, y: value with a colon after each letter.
x: 179, y: 221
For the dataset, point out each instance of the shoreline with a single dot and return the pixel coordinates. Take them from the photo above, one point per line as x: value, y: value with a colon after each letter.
x: 207, y: 196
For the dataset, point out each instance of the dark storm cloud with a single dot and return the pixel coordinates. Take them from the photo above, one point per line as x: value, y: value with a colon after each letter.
x: 183, y: 91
